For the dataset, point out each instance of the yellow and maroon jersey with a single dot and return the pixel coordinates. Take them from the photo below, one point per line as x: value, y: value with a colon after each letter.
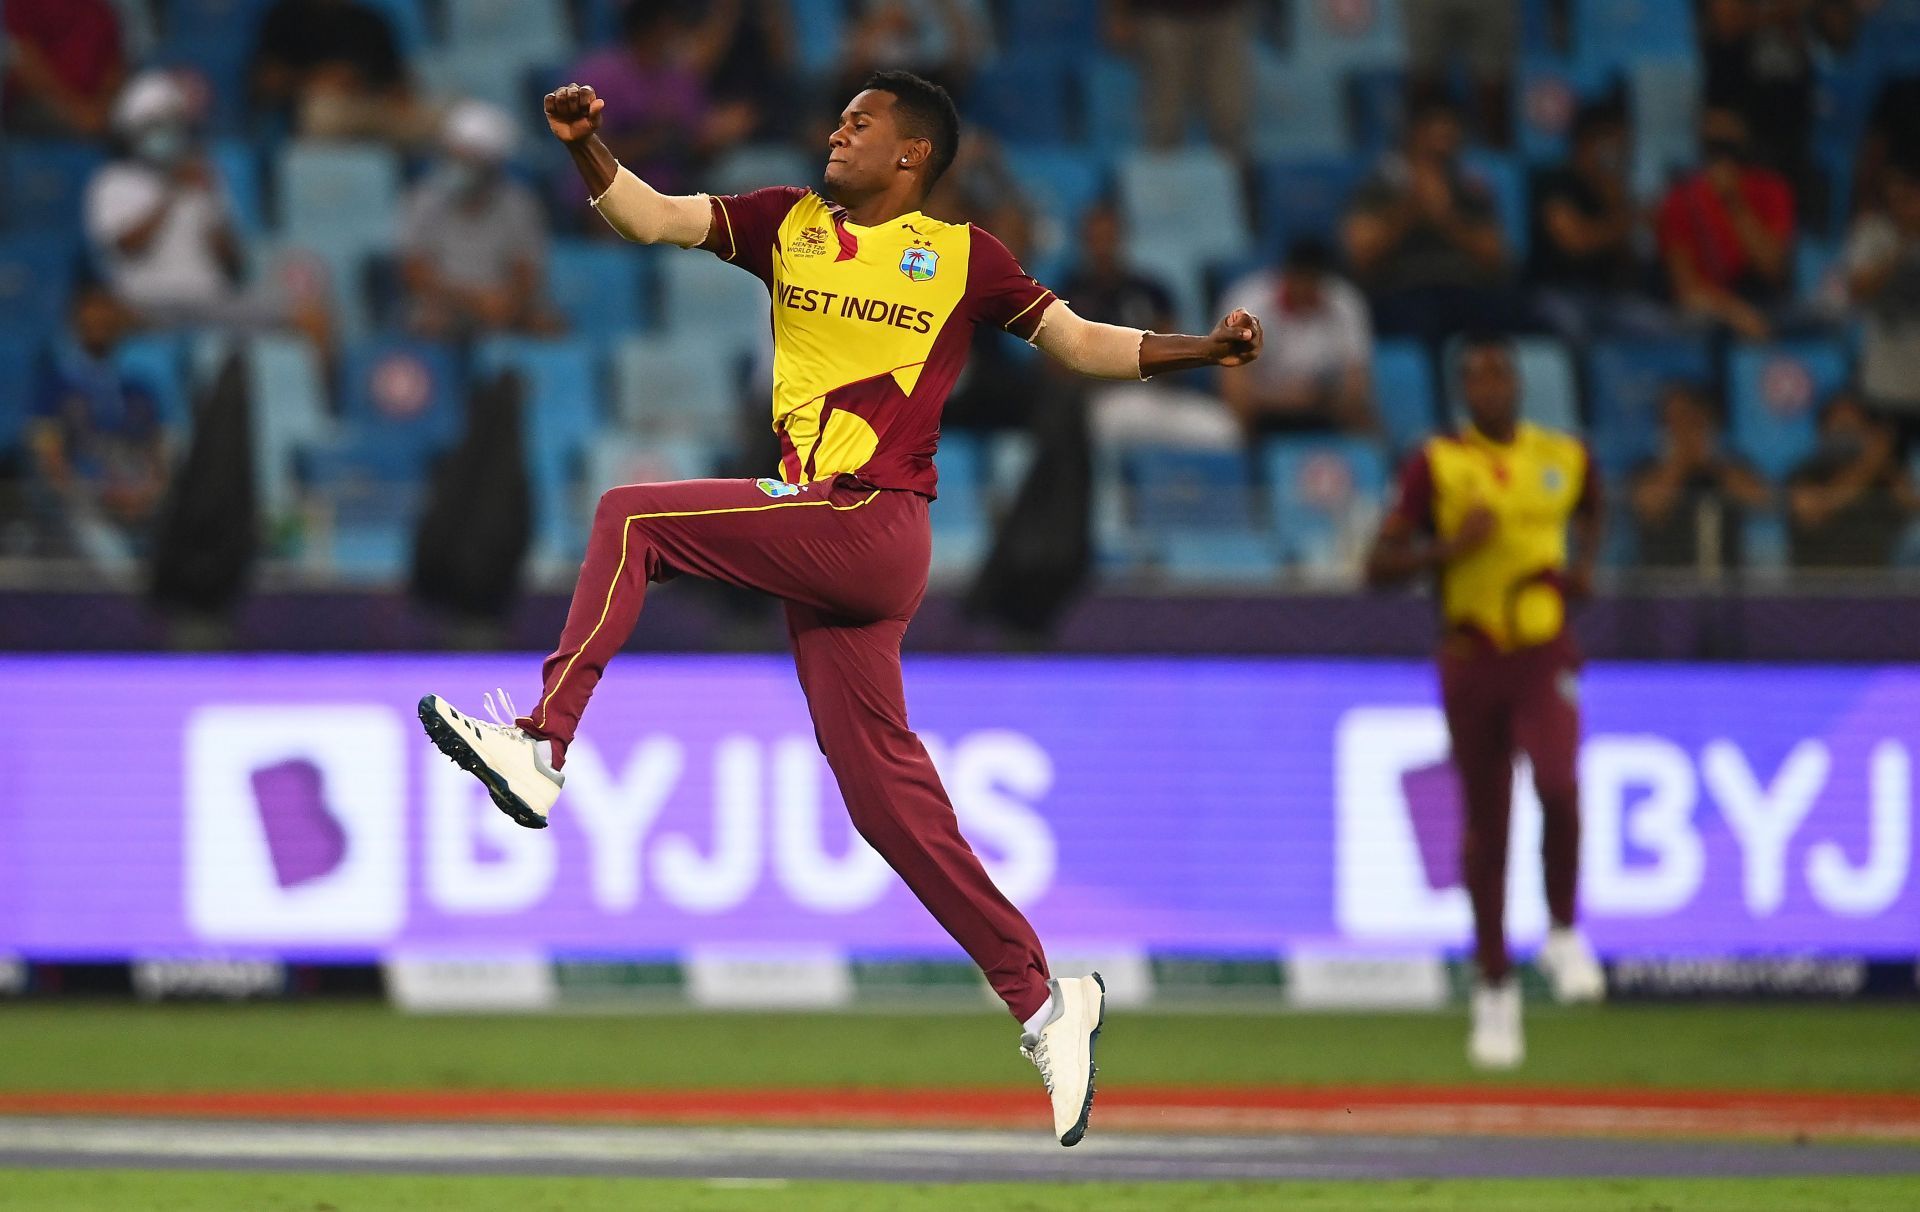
x: 871, y: 326
x: 1509, y: 591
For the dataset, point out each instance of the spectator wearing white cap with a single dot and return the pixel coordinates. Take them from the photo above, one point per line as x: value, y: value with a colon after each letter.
x: 156, y: 216
x: 473, y: 240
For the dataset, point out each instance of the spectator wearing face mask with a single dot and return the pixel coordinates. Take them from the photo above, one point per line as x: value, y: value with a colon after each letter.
x: 473, y: 240
x: 157, y: 217
x: 1848, y: 503
x: 1726, y: 232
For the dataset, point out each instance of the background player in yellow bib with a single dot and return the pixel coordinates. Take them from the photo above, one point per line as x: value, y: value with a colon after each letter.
x: 874, y: 306
x: 1486, y: 511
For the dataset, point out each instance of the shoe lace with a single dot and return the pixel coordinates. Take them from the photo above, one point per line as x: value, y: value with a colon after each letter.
x: 502, y: 710
x: 1036, y: 1052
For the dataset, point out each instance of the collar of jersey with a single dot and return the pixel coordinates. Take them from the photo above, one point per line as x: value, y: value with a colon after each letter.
x: 839, y: 215
x: 1472, y: 435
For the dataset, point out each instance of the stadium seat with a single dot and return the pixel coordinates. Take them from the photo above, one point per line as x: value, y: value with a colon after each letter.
x: 1010, y: 456
x: 1547, y: 92
x: 36, y: 275
x: 600, y: 287
x: 159, y: 361
x: 406, y: 397
x: 287, y: 390
x: 560, y: 420
x: 1184, y: 276
x: 1062, y: 181
x: 1230, y: 557
x: 408, y: 19
x: 1025, y: 92
x: 666, y: 385
x: 1625, y: 380
x: 818, y: 29
x: 1346, y: 35
x: 1175, y: 488
x: 1376, y: 103
x: 1403, y: 394
x: 46, y: 182
x: 1109, y: 89
x: 1304, y: 198
x: 237, y: 164
x: 538, y: 30
x: 19, y: 353
x: 1819, y: 276
x: 962, y: 523
x: 1549, y: 389
x: 1774, y: 395
x: 372, y: 509
x: 1629, y: 31
x: 338, y: 196
x: 1190, y: 200
x: 1324, y: 495
x: 1663, y: 100
x: 1301, y: 108
x: 1060, y: 25
x: 757, y: 165
x: 720, y: 306
x: 216, y: 57
x: 493, y: 72
x: 1505, y: 178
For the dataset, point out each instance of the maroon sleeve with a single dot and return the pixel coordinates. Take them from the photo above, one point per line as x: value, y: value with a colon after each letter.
x: 1413, y: 496
x: 744, y: 227
x: 1000, y: 292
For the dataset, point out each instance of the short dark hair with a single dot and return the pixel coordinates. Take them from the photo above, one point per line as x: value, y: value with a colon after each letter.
x: 1310, y: 254
x: 1597, y: 117
x: 925, y: 111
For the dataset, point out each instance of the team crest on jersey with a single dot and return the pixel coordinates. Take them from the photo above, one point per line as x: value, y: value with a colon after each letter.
x: 1553, y: 479
x: 809, y: 242
x: 777, y: 488
x: 919, y: 263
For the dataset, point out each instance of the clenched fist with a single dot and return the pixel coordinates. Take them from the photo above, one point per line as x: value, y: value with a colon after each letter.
x: 573, y: 112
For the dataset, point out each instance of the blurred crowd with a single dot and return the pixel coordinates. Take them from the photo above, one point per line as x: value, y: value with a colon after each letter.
x: 1701, y: 219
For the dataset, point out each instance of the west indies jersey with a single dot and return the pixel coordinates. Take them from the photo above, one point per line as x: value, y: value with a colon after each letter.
x: 871, y: 326
x: 1508, y: 592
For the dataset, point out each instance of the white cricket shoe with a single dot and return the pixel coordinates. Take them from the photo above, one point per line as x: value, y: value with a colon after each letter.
x: 1063, y: 1051
x: 1495, y: 1041
x: 515, y: 768
x: 1570, y: 966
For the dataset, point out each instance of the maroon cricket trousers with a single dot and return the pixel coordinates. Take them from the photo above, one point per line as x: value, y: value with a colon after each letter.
x: 1499, y: 704
x: 850, y: 561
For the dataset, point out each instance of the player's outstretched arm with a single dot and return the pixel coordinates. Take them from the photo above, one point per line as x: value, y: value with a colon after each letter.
x: 1109, y: 351
x: 629, y: 205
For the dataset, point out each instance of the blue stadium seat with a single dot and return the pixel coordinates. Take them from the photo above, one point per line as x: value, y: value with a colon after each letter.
x: 560, y: 420
x: 1323, y: 492
x: 539, y: 30
x: 1062, y: 180
x: 1625, y: 381
x: 1376, y: 101
x: 1505, y: 178
x: 1184, y: 488
x: 1347, y: 36
x: 287, y: 387
x: 818, y: 28
x: 19, y: 356
x: 1547, y: 92
x: 1109, y: 103
x: 1301, y: 107
x: 197, y: 18
x: 338, y: 196
x: 1774, y: 396
x: 36, y: 277
x: 600, y: 287
x: 754, y: 166
x: 372, y: 509
x: 1818, y: 274
x: 1663, y: 99
x: 406, y: 397
x: 46, y: 182
x: 494, y: 72
x: 159, y: 361
x: 1627, y: 31
x: 618, y: 459
x: 1304, y: 198
x: 217, y: 58
x: 1190, y: 200
x: 719, y: 306
x: 962, y: 524
x: 1025, y: 92
x: 1404, y: 397
x: 1549, y: 390
x: 408, y: 19
x: 237, y: 164
x: 664, y: 384
x: 1060, y: 25
x: 1236, y: 556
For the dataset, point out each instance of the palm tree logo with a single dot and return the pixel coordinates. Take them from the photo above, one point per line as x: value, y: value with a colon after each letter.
x: 919, y: 263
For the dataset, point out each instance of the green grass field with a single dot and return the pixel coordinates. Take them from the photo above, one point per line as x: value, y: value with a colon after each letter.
x: 173, y: 1191
x: 80, y: 1046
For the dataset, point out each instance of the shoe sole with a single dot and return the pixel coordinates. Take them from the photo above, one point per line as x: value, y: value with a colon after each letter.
x: 1079, y: 1130
x: 451, y: 743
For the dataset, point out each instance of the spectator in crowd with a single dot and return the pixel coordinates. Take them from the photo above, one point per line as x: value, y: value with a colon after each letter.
x: 1758, y: 63
x: 1192, y: 54
x: 64, y: 65
x: 1105, y: 286
x: 1424, y: 240
x: 157, y: 216
x: 1726, y: 232
x: 472, y: 239
x: 334, y: 67
x: 1315, y: 376
x: 943, y: 39
x: 1848, y: 503
x: 1689, y: 499
x: 1484, y: 35
x: 1883, y: 280
x: 99, y: 451
x: 662, y: 120
x: 1586, y: 258
x: 1893, y: 133
x: 746, y: 50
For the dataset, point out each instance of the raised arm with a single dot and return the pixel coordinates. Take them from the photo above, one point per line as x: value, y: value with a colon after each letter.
x: 629, y: 205
x: 1110, y: 351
